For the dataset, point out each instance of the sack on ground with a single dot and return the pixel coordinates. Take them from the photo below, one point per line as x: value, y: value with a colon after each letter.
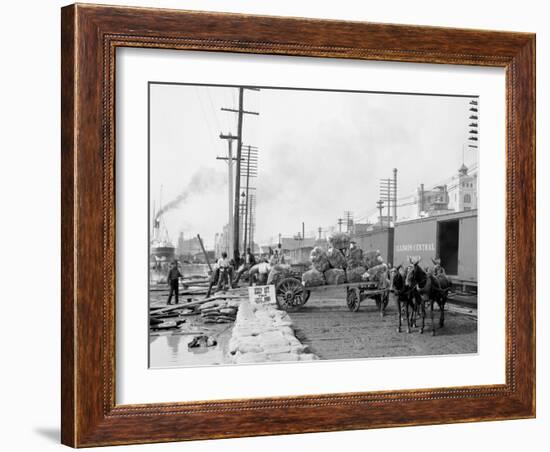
x: 277, y: 273
x: 335, y: 276
x: 355, y: 274
x: 339, y: 240
x: 335, y: 258
x: 313, y: 278
x: 319, y: 259
x: 355, y: 258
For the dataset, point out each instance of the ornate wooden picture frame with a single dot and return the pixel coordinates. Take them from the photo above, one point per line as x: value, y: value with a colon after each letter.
x: 90, y: 37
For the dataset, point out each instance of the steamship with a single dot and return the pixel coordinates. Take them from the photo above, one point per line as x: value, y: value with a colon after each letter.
x: 161, y: 251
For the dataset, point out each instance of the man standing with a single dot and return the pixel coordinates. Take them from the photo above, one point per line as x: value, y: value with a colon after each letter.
x: 173, y: 279
x: 225, y: 271
x: 279, y: 257
x: 249, y: 262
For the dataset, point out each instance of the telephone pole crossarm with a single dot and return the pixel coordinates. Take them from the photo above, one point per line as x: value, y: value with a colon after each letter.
x: 246, y: 112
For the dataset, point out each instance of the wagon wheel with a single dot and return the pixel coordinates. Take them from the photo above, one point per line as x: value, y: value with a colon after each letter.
x: 352, y: 300
x: 290, y: 294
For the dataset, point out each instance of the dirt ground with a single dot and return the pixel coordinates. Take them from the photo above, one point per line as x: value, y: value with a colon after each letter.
x: 333, y: 332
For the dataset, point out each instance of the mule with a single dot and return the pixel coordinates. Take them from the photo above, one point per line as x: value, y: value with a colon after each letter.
x: 404, y: 297
x: 441, y: 286
x: 421, y: 286
x: 433, y: 287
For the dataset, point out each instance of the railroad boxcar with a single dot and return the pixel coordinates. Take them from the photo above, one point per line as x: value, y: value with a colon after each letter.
x: 450, y: 237
x: 378, y: 239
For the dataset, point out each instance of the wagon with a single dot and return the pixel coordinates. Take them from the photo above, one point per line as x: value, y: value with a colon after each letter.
x: 292, y: 295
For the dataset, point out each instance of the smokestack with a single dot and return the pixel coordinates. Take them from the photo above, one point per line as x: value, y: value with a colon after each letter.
x: 156, y: 226
x: 421, y: 197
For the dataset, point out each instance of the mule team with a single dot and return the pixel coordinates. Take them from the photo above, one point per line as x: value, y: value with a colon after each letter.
x: 413, y: 286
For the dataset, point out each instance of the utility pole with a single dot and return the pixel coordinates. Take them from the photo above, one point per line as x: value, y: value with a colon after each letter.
x: 348, y: 215
x: 229, y: 159
x: 394, y: 196
x: 241, y: 111
x: 340, y: 221
x: 251, y: 220
x: 241, y: 215
x: 251, y: 171
x: 320, y: 230
x: 387, y: 194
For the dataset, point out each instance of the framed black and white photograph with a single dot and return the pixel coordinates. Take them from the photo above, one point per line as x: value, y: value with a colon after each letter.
x: 280, y: 225
x: 299, y: 214
x: 357, y: 209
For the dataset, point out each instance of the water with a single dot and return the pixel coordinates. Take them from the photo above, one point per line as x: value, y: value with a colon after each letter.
x: 170, y: 349
x: 194, y: 269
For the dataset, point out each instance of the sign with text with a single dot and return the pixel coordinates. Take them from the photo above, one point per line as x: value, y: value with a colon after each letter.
x: 262, y: 294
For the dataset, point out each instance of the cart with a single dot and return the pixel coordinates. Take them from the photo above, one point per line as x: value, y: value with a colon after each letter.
x: 292, y: 295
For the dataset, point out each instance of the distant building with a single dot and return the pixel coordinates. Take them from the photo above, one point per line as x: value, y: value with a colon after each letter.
x: 433, y: 202
x: 465, y: 194
x: 179, y: 247
x: 299, y: 255
x: 360, y: 228
x: 201, y: 259
x: 292, y: 243
x: 221, y: 242
x: 187, y: 249
x: 383, y: 222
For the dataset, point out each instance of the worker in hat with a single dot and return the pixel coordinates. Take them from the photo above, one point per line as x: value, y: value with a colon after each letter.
x: 173, y: 279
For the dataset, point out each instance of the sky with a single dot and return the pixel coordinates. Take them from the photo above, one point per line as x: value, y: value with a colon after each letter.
x: 320, y: 153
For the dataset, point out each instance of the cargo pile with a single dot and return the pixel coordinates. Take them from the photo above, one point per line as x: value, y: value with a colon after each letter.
x: 375, y: 273
x: 354, y: 258
x: 336, y: 258
x: 371, y: 258
x: 263, y: 333
x: 335, y: 276
x: 313, y: 278
x: 219, y: 311
x: 355, y: 274
x: 341, y: 264
x: 319, y: 260
x: 339, y: 240
x: 278, y: 272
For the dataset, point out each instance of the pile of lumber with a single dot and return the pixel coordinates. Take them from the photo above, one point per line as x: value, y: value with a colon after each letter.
x: 220, y: 308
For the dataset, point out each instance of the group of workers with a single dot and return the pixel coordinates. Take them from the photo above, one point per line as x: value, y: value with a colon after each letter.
x: 229, y: 271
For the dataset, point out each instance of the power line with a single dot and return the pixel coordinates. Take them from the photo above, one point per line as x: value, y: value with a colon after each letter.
x: 217, y: 120
x: 211, y: 133
x: 240, y: 112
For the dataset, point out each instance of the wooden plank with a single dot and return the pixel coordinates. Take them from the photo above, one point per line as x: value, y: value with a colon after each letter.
x: 194, y: 303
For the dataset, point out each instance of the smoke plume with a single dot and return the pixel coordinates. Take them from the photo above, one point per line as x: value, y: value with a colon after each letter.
x: 205, y: 180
